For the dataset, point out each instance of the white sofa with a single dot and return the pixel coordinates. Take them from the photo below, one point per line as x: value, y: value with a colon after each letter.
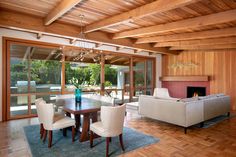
x: 185, y: 112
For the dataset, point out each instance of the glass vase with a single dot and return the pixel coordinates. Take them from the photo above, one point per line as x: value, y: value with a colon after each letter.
x: 78, y: 94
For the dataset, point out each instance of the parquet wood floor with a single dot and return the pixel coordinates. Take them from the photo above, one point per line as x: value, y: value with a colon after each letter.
x: 216, y: 141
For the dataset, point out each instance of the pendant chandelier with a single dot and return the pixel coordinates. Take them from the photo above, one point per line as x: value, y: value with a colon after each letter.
x: 83, y: 45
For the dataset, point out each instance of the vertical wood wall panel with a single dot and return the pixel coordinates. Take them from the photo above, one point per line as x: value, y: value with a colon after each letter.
x: 220, y: 66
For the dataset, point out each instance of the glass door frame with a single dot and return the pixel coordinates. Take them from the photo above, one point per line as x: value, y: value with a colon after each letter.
x: 7, y: 76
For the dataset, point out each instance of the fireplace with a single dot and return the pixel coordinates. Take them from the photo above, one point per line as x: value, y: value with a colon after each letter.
x: 196, y: 91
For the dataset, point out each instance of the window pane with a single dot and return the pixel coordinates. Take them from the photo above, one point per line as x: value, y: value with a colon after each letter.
x: 47, y: 98
x: 19, y: 69
x: 19, y: 105
x: 117, y: 77
x: 82, y: 75
x: 149, y: 77
x: 45, y: 70
x: 32, y: 69
x: 139, y: 79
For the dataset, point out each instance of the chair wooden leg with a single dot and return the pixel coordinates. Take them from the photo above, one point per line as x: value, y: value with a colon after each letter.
x: 45, y: 135
x: 107, y: 146
x: 64, y: 132
x: 110, y: 139
x: 41, y: 131
x: 73, y: 133
x: 91, y: 138
x: 121, y: 142
x: 50, y: 139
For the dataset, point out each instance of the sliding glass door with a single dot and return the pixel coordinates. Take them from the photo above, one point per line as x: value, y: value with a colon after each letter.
x: 34, y: 72
x: 143, y: 78
x: 40, y: 70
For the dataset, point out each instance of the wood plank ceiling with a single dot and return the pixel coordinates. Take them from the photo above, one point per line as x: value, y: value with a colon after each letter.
x: 167, y: 25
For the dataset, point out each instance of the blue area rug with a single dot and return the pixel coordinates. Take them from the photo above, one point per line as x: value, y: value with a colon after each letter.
x: 63, y: 147
x: 215, y: 121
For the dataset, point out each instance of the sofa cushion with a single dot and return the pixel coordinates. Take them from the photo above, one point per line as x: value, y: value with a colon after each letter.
x: 220, y: 94
x: 208, y: 96
x: 189, y: 99
x: 165, y: 98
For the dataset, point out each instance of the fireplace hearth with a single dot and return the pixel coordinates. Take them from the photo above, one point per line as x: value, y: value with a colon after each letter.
x: 196, y: 91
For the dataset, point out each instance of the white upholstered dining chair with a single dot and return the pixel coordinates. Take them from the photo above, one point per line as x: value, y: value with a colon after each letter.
x: 103, y: 99
x: 52, y: 122
x: 111, y: 125
x: 37, y: 102
x: 61, y: 100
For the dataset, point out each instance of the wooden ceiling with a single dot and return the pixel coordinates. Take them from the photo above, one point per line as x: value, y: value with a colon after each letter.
x: 161, y: 26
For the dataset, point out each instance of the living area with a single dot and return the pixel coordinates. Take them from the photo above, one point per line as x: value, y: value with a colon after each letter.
x: 117, y: 78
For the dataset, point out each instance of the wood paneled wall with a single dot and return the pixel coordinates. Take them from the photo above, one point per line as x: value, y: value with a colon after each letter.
x: 219, y: 65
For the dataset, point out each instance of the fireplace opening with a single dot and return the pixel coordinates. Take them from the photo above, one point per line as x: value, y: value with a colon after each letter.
x: 196, y: 91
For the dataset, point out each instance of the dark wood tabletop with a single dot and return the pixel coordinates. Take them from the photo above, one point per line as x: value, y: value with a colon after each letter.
x: 86, y: 106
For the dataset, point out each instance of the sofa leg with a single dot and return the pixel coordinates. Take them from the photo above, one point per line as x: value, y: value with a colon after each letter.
x: 202, y: 124
x: 228, y: 114
x: 185, y: 130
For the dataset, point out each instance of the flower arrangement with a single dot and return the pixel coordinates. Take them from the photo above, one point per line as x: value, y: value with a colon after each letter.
x: 75, y: 82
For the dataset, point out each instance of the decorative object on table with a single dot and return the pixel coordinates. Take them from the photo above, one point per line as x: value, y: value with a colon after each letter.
x: 78, y: 93
x: 78, y: 90
x: 64, y: 148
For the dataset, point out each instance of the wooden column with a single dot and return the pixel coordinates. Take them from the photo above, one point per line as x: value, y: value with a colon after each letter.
x: 145, y: 76
x: 102, y: 74
x: 131, y: 81
x: 4, y: 80
x: 154, y: 72
x: 29, y: 78
x: 63, y: 74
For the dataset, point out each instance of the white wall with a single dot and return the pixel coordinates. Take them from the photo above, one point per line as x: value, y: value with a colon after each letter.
x: 50, y: 39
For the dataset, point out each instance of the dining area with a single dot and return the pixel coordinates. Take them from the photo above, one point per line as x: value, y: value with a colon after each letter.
x: 93, y: 116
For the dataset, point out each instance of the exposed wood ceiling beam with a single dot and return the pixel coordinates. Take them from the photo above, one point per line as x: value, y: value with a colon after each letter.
x: 63, y: 7
x: 27, y: 53
x: 190, y: 36
x: 51, y: 54
x: 157, y: 6
x: 115, y: 59
x: 212, y: 19
x: 211, y: 50
x: 205, y: 47
x: 13, y: 20
x: 32, y: 51
x: 210, y: 41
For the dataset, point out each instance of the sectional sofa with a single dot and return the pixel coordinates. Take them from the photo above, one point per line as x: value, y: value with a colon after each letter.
x: 184, y: 112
